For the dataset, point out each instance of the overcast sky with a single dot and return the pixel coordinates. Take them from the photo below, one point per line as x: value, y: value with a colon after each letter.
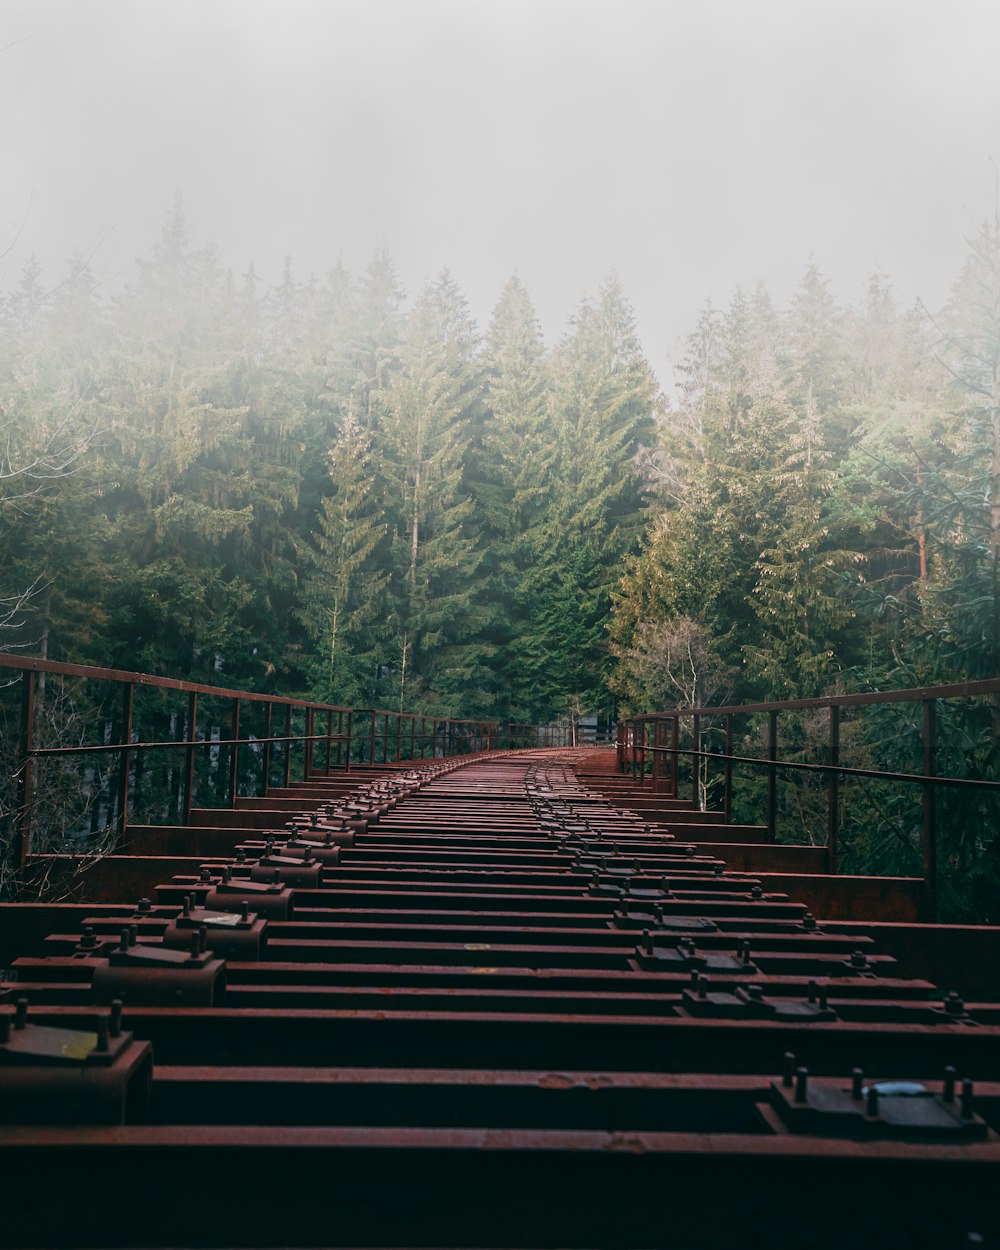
x: 688, y: 144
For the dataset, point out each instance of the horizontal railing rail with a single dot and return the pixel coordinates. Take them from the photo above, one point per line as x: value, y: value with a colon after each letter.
x: 649, y: 747
x: 290, y: 735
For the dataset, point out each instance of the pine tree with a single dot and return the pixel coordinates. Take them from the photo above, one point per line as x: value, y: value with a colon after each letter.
x: 604, y: 414
x: 439, y: 610
x: 509, y: 476
x: 344, y: 599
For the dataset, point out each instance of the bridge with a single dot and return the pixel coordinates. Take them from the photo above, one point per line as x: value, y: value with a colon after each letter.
x: 298, y: 975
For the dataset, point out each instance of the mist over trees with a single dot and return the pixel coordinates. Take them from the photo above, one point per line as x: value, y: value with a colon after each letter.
x: 323, y: 487
x: 329, y: 487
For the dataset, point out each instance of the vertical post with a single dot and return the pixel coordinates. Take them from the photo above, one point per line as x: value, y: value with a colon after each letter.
x: 675, y: 759
x: 833, y: 793
x: 728, y: 800
x: 413, y: 737
x: 329, y: 738
x: 22, y: 846
x: 696, y: 761
x: 399, y: 738
x: 307, y: 752
x: 192, y: 737
x: 371, y: 739
x: 234, y: 754
x: 340, y: 739
x: 124, y: 758
x: 930, y: 811
x: 772, y: 775
x: 266, y: 779
x: 288, y: 745
x: 350, y: 729
x: 385, y: 738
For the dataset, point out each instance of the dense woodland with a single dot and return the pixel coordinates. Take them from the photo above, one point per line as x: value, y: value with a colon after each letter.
x: 329, y: 487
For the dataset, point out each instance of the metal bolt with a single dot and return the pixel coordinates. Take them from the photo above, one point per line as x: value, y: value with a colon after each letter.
x: 145, y: 905
x: 133, y: 934
x: 745, y: 951
x: 787, y: 1069
x: 801, y: 1084
x: 967, y: 1099
x: 115, y: 1017
x: 809, y: 921
x: 88, y: 941
x: 647, y: 941
x: 187, y: 904
x: 102, y: 1034
x: 195, y: 944
x: 756, y: 892
x: 703, y: 986
x: 123, y: 942
x: 948, y: 1093
x: 858, y: 959
x: 227, y: 874
x: 202, y: 938
x: 241, y: 856
x: 206, y: 875
x: 823, y: 999
x: 953, y: 1004
x: 872, y: 1107
x: 20, y: 1013
x: 857, y: 1076
x: 755, y: 992
x: 244, y: 910
x: 811, y: 995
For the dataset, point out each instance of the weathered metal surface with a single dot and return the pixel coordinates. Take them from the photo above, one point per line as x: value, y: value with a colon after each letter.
x: 501, y: 984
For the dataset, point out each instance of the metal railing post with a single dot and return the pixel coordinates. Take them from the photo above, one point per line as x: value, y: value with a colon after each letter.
x: 696, y: 760
x: 234, y: 754
x: 772, y: 775
x: 833, y: 793
x: 930, y: 810
x: 124, y: 756
x: 675, y: 759
x: 22, y: 848
x: 728, y: 797
x: 268, y: 734
x: 288, y: 745
x: 192, y: 737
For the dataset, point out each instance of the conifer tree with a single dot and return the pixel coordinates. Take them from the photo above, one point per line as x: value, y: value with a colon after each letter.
x: 439, y: 613
x: 510, y: 481
x: 344, y: 599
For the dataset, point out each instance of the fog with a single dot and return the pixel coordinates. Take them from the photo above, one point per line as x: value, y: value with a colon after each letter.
x: 688, y: 145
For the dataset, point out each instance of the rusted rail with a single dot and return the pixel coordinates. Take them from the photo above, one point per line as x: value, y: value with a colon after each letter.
x: 394, y: 994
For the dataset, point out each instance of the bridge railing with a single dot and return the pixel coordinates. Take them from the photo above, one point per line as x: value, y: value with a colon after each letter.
x: 86, y: 751
x: 888, y: 740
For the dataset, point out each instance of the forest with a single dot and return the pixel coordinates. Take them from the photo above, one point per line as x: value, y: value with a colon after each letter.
x: 333, y: 489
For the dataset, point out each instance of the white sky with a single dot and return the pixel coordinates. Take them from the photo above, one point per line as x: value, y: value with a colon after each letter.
x: 689, y: 144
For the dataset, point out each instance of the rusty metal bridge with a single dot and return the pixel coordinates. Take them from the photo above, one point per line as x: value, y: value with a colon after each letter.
x: 361, y: 980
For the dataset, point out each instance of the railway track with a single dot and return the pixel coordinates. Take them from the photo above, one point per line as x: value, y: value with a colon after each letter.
x: 482, y: 1004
